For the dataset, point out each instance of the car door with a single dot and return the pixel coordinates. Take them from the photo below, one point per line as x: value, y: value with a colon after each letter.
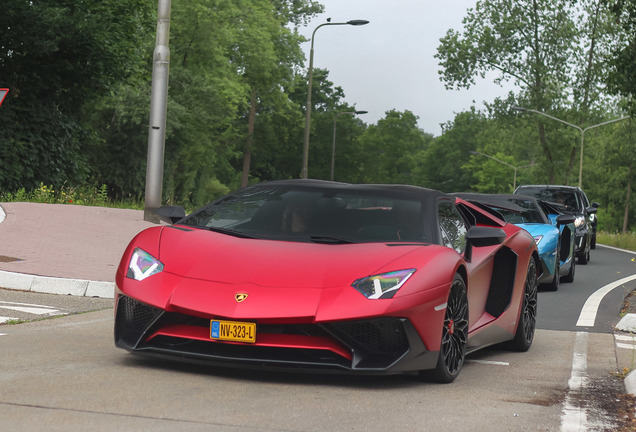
x: 453, y: 228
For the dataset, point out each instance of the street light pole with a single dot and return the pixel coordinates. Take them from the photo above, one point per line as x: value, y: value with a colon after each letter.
x: 310, y: 78
x: 333, y: 148
x: 158, y: 109
x: 514, y: 181
x: 580, y: 129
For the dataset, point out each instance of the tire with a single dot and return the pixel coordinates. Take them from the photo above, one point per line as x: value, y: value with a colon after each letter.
x: 452, y: 352
x: 585, y: 258
x: 593, y: 242
x: 528, y: 316
x: 554, y: 284
x: 570, y: 276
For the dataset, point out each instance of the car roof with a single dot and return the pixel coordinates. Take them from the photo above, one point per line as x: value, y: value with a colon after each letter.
x: 563, y: 187
x: 400, y: 189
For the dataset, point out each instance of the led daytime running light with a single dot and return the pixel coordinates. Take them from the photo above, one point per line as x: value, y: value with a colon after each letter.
x: 383, y: 285
x: 143, y: 265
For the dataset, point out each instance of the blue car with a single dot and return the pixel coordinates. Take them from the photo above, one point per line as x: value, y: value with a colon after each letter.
x: 553, y: 231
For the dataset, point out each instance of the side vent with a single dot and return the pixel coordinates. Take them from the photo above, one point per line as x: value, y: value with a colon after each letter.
x: 502, y: 282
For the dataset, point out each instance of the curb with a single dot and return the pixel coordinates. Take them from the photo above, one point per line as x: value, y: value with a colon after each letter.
x: 627, y: 325
x: 51, y: 285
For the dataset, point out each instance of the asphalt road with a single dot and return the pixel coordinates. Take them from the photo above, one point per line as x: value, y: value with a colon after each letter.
x: 66, y: 374
x: 560, y: 310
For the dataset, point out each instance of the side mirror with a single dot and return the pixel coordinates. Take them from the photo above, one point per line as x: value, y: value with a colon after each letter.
x: 170, y: 214
x: 595, y: 205
x: 478, y: 236
x: 591, y: 210
x: 565, y: 219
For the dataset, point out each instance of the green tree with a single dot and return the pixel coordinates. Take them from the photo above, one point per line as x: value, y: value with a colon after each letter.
x: 389, y: 149
x: 551, y: 50
x: 622, y: 60
x: 55, y: 56
x: 441, y: 165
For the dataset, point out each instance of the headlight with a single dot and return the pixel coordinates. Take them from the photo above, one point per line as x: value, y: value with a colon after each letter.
x: 143, y: 265
x: 537, y: 239
x: 579, y: 221
x: 382, y: 286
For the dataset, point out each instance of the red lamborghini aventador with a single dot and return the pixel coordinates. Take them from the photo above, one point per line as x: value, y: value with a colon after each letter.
x: 323, y: 276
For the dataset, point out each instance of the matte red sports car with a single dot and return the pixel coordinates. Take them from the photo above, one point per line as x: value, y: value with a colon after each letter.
x: 315, y: 275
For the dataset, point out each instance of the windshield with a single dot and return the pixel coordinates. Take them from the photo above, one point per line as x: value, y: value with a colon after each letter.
x: 565, y: 197
x: 314, y: 214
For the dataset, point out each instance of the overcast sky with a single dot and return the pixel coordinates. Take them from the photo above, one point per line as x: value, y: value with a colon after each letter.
x: 389, y: 63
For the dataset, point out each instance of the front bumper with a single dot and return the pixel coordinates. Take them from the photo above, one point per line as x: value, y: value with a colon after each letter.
x: 371, y: 346
x: 581, y: 242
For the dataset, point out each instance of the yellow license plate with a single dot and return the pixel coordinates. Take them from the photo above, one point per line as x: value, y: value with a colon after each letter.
x: 233, y: 331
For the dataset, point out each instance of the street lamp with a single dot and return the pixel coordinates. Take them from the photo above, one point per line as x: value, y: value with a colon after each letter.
x: 333, y: 148
x: 514, y: 181
x: 582, y: 130
x: 304, y: 171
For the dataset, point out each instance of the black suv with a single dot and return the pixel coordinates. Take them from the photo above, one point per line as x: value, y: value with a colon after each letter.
x: 572, y: 200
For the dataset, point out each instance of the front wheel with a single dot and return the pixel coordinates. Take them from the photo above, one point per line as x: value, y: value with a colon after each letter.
x: 452, y: 351
x: 528, y: 316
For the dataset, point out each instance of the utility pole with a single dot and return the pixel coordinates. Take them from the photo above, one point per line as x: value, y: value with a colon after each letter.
x: 158, y: 108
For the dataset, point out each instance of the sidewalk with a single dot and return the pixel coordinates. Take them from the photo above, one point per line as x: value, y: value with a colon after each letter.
x: 64, y: 249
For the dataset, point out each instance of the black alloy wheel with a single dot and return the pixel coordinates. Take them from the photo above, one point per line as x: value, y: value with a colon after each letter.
x: 528, y: 317
x: 454, y: 336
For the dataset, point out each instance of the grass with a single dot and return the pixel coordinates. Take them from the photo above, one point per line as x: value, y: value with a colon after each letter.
x: 623, y: 241
x: 85, y: 195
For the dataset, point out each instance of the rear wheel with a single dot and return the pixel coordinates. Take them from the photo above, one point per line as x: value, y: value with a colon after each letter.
x: 528, y: 317
x: 452, y: 351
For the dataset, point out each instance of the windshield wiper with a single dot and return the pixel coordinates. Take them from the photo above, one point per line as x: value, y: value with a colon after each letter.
x: 231, y: 232
x: 330, y: 239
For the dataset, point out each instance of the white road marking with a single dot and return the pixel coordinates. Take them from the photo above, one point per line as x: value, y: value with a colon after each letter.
x: 489, y: 362
x: 625, y: 338
x: 617, y: 249
x: 5, y: 319
x: 626, y: 346
x: 574, y: 415
x: 32, y: 310
x: 587, y: 317
x: 20, y: 304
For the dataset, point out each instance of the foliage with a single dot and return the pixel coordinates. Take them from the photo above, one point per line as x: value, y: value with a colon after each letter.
x: 623, y: 241
x: 390, y: 149
x: 87, y: 195
x: 55, y: 55
x: 622, y: 59
x: 80, y: 78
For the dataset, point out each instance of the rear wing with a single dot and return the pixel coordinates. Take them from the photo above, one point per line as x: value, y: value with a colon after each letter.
x: 480, y: 214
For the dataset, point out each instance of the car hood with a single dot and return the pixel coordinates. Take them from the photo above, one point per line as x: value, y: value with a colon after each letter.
x: 210, y: 256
